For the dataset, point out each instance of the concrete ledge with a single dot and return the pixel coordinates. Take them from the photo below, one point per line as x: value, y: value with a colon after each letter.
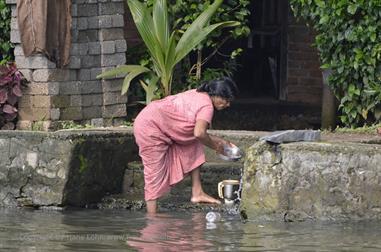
x: 74, y: 167
x: 314, y: 180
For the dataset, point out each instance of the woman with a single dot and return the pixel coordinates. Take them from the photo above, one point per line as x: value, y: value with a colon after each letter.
x: 171, y: 133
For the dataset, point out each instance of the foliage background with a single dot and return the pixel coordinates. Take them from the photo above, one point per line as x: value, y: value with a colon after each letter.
x: 182, y: 14
x: 6, y: 53
x: 348, y: 40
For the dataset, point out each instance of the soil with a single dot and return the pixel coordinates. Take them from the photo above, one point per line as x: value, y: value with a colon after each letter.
x: 351, y: 137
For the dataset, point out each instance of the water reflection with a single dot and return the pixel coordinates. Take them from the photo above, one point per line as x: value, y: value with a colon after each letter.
x: 163, y: 232
x: 93, y: 230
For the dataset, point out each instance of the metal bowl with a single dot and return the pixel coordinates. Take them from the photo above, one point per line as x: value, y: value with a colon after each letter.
x: 231, y: 153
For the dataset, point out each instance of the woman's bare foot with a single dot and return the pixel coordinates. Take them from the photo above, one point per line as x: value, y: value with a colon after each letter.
x: 204, y: 198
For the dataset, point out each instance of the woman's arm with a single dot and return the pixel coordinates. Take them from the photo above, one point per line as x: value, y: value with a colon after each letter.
x: 213, y: 142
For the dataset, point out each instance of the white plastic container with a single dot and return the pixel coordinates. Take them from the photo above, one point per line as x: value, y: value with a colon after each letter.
x: 213, y: 217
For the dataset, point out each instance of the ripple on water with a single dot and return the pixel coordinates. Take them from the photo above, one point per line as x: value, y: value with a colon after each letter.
x: 95, y: 230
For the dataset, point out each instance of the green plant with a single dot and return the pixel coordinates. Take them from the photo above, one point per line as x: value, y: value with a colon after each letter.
x: 372, y: 129
x: 196, y: 69
x: 5, y: 29
x: 347, y: 38
x: 73, y: 125
x: 11, y: 81
x: 166, y: 48
x: 228, y: 69
x: 233, y: 10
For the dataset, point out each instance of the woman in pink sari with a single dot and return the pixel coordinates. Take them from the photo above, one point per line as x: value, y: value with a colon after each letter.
x: 171, y: 134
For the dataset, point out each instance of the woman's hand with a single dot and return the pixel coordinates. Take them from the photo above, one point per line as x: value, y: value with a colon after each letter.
x: 220, y: 144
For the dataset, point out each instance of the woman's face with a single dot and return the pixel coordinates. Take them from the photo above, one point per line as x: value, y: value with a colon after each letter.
x: 220, y: 103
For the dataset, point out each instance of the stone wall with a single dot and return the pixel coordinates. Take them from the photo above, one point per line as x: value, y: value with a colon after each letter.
x: 304, y: 180
x: 73, y: 92
x: 73, y: 168
x: 304, y: 76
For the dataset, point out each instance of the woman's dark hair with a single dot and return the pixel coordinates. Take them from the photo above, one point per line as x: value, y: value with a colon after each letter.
x: 224, y: 87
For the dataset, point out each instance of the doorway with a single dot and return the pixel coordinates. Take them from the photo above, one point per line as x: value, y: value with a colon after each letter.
x: 262, y: 71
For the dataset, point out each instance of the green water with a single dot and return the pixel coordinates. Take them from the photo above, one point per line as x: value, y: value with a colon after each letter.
x: 96, y: 230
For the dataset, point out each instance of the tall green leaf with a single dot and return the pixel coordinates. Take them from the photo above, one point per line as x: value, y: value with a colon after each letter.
x: 160, y: 21
x: 145, y: 25
x: 200, y: 22
x: 197, y: 37
x: 131, y: 76
x: 121, y: 71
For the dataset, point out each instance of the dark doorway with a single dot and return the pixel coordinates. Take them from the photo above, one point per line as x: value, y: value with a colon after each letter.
x: 262, y: 62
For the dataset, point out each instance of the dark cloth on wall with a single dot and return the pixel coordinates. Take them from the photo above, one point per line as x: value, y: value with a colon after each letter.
x: 45, y: 28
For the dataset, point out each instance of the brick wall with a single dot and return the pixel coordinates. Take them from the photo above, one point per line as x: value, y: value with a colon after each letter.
x: 304, y: 76
x: 73, y: 93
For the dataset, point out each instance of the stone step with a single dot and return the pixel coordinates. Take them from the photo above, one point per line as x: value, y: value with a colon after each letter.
x: 211, y: 174
x: 136, y: 202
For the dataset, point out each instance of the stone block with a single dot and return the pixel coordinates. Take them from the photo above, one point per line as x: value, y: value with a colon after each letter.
x: 42, y: 88
x: 34, y: 62
x: 25, y: 101
x: 93, y: 22
x: 91, y: 61
x: 112, y: 85
x: 113, y: 59
x: 14, y: 11
x: 83, y: 23
x: 97, y: 122
x: 74, y: 24
x: 92, y: 112
x: 24, y: 125
x: 18, y: 51
x: 27, y: 73
x: 117, y: 21
x: 41, y: 101
x: 71, y: 113
x: 10, y: 1
x: 120, y: 45
x: 105, y: 22
x: 110, y: 111
x: 116, y: 122
x: 79, y: 49
x: 14, y: 24
x: 111, y: 34
x: 84, y: 75
x: 70, y: 88
x: 91, y: 87
x: 47, y: 75
x: 94, y: 72
x: 55, y: 114
x: 111, y: 8
x: 74, y: 9
x: 74, y: 35
x: 94, y: 48
x: 114, y: 98
x: 61, y: 101
x: 107, y: 47
x: 34, y: 114
x: 75, y: 100
x: 92, y: 100
x: 74, y: 62
x: 86, y: 36
x: 15, y: 36
x: 87, y: 10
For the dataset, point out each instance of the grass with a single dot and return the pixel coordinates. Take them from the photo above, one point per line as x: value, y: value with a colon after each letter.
x: 371, y: 129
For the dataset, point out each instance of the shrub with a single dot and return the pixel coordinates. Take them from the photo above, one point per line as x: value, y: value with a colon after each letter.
x: 11, y: 81
x: 348, y: 40
x: 5, y: 28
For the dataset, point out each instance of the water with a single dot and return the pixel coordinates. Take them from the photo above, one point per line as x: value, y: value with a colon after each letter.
x: 95, y: 230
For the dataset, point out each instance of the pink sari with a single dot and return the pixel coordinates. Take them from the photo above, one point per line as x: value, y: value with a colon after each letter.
x: 164, y: 133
